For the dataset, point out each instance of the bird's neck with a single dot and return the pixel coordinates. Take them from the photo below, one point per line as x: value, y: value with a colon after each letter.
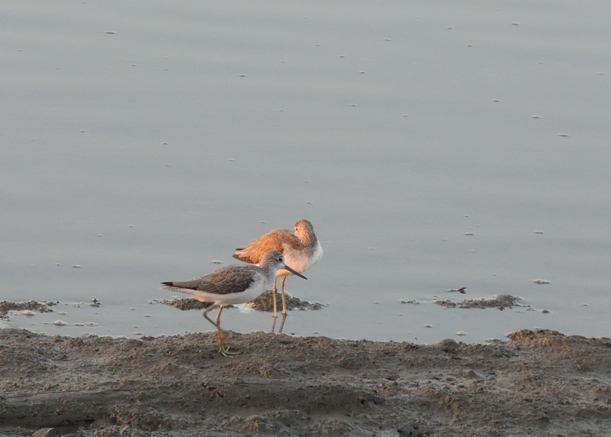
x: 307, y: 238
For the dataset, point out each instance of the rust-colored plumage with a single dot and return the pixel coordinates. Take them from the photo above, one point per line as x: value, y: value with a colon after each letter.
x: 301, y: 250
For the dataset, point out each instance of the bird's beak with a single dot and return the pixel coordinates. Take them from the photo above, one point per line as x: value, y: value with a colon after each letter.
x: 294, y: 272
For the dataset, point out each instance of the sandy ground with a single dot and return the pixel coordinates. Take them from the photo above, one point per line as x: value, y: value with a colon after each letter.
x: 537, y: 383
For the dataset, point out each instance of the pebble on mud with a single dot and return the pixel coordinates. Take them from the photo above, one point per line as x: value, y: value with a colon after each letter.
x: 47, y: 432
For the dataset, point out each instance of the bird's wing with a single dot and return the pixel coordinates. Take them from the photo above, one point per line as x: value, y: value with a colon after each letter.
x: 233, y: 280
x: 274, y: 240
x: 230, y: 279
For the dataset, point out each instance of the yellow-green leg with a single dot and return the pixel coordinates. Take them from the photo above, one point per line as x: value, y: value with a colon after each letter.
x: 283, y: 298
x: 218, y: 316
x: 274, y: 298
x: 221, y: 333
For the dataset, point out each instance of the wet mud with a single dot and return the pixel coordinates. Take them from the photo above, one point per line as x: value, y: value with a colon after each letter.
x: 537, y: 383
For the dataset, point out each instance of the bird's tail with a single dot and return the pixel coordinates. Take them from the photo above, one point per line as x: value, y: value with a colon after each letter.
x: 244, y: 255
x: 195, y: 294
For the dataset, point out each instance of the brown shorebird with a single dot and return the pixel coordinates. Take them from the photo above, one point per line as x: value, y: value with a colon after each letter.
x: 233, y: 285
x: 301, y: 250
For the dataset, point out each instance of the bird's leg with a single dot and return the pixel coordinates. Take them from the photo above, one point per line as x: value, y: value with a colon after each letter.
x: 221, y: 333
x: 218, y: 316
x: 283, y: 299
x: 207, y: 310
x: 274, y: 298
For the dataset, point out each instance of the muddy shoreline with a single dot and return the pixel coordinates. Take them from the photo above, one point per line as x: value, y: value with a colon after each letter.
x: 535, y: 383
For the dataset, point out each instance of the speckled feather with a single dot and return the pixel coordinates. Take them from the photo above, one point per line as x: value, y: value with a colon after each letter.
x: 236, y: 283
x: 226, y: 280
x: 232, y: 285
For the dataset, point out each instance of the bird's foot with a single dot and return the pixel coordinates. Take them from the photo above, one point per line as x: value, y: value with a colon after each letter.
x: 225, y: 352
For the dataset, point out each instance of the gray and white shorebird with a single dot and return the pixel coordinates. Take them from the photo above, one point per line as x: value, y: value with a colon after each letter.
x: 301, y: 250
x: 232, y: 284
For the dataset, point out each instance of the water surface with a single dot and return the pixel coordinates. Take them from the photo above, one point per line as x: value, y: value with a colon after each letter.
x: 426, y: 142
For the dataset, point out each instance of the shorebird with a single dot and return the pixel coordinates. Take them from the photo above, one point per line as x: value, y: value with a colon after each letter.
x: 301, y: 250
x: 232, y: 285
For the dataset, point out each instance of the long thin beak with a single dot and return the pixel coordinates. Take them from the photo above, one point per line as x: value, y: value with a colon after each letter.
x: 294, y: 272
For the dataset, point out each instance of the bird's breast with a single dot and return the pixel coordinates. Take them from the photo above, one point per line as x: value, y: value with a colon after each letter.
x: 300, y: 260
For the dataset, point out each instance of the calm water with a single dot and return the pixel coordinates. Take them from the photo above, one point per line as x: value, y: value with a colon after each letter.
x: 143, y: 140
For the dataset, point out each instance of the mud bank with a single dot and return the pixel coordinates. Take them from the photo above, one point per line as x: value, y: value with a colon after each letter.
x: 537, y: 383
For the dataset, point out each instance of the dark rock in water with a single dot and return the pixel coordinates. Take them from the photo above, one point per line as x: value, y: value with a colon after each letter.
x: 6, y: 306
x: 262, y: 303
x: 500, y: 302
x: 265, y: 302
x: 188, y: 303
